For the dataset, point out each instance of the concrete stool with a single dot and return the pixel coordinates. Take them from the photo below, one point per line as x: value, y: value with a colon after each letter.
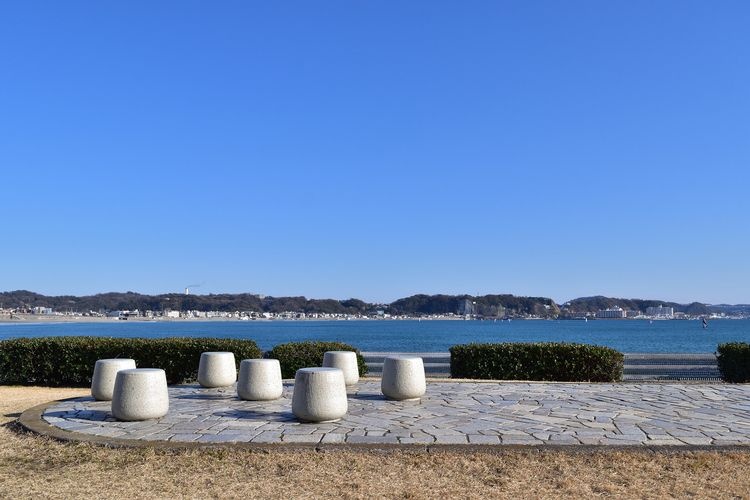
x: 217, y: 369
x: 346, y: 361
x: 319, y: 395
x: 103, y: 380
x: 140, y: 394
x: 260, y: 379
x: 403, y: 378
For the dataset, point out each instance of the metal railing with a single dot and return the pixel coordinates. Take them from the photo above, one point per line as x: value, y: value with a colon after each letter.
x: 638, y: 366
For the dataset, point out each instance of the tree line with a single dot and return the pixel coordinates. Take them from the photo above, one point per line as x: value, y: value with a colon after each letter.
x: 417, y: 305
x: 493, y: 306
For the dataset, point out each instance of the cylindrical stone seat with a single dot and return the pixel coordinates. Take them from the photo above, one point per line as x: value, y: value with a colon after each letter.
x: 217, y: 369
x: 260, y: 380
x: 319, y: 395
x: 344, y: 360
x: 103, y: 380
x: 140, y: 394
x: 403, y: 378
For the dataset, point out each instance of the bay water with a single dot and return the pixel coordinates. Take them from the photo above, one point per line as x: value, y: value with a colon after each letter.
x: 627, y: 336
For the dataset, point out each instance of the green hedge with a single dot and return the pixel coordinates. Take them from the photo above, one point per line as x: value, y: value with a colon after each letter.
x: 537, y: 361
x: 734, y: 361
x: 295, y: 355
x: 69, y: 361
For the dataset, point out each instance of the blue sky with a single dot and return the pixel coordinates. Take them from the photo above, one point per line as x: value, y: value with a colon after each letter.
x: 377, y: 149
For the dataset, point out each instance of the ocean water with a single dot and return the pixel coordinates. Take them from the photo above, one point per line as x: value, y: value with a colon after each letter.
x: 421, y: 336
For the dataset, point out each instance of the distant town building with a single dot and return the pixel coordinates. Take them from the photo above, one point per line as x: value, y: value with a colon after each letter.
x: 660, y: 312
x: 612, y: 313
x: 42, y: 310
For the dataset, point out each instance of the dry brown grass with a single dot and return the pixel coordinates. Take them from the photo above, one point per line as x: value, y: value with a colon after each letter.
x: 32, y: 466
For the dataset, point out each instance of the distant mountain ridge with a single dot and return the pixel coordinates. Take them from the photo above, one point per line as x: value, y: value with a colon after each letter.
x: 116, y: 301
x: 503, y: 305
x: 593, y: 304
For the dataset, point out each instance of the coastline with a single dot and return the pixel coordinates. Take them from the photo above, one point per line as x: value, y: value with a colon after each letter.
x: 17, y: 319
x: 43, y: 318
x: 35, y: 318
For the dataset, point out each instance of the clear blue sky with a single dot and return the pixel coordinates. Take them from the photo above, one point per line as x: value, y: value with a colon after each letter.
x: 377, y: 149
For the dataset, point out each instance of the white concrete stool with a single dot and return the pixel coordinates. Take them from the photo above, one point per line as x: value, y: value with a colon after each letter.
x: 140, y: 394
x: 319, y: 395
x: 260, y: 380
x: 217, y: 369
x: 346, y: 361
x: 403, y: 378
x: 103, y: 380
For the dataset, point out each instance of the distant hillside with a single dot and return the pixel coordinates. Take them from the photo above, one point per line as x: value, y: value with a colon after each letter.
x: 180, y: 302
x: 492, y: 306
x: 417, y: 305
x: 593, y: 304
x: 485, y: 305
x: 737, y: 309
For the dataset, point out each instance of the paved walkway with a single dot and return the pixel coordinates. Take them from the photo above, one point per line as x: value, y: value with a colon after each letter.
x: 450, y: 413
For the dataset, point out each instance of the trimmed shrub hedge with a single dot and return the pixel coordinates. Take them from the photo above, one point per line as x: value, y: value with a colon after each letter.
x: 295, y: 355
x: 734, y: 361
x: 69, y: 361
x: 547, y: 361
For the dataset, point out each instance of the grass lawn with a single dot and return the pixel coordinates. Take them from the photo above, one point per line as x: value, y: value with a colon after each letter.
x: 32, y: 466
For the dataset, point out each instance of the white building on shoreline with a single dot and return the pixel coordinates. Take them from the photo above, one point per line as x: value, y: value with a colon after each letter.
x: 612, y: 313
x: 660, y: 312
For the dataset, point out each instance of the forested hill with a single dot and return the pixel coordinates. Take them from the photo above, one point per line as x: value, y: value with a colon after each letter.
x: 417, y: 305
x: 496, y: 306
x: 593, y: 304
x: 116, y: 301
x: 485, y: 305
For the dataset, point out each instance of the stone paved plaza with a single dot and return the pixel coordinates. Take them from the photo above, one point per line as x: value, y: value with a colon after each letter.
x: 450, y: 413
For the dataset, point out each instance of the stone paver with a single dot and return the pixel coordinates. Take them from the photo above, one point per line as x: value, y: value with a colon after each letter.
x: 506, y: 413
